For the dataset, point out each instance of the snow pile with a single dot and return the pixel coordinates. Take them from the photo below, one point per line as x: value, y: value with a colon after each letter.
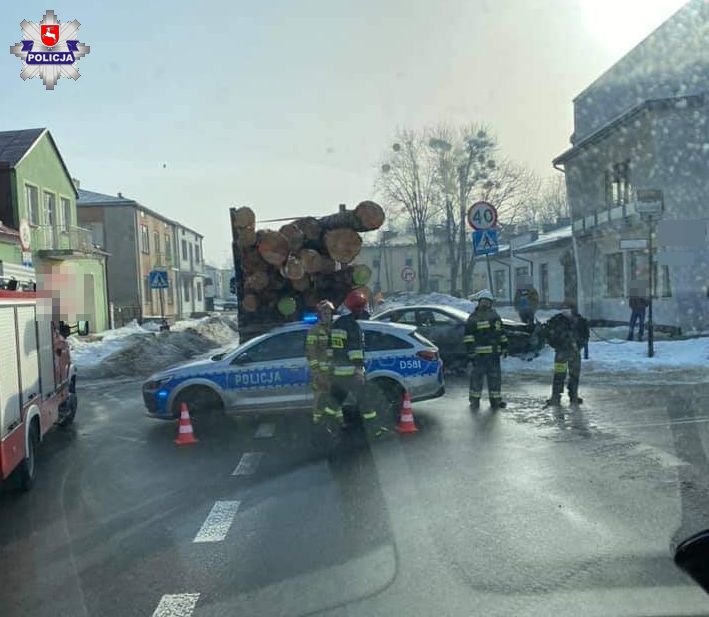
x: 618, y: 356
x: 137, y: 351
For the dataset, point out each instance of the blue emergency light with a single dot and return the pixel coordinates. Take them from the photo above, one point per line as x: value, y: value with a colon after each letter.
x: 310, y: 318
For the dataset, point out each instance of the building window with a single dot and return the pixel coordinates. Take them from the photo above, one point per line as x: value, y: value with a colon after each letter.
x: 168, y: 249
x: 498, y: 279
x: 156, y: 243
x: 618, y: 185
x: 184, y: 249
x: 196, y: 253
x: 432, y: 260
x: 661, y: 281
x: 199, y: 291
x: 434, y: 284
x: 144, y: 239
x: 32, y: 196
x: 65, y: 208
x: 169, y: 291
x: 522, y: 271
x: 191, y: 255
x: 186, y: 289
x: 50, y: 208
x: 409, y: 262
x: 615, y: 283
x: 375, y: 263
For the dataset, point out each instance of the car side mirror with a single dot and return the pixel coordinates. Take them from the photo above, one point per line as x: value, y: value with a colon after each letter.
x: 242, y: 358
x: 82, y: 328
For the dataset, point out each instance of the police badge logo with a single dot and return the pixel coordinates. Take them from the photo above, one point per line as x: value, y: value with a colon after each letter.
x: 49, y: 50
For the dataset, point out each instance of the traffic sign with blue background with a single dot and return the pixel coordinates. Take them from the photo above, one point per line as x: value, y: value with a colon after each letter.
x: 485, y: 242
x: 158, y: 279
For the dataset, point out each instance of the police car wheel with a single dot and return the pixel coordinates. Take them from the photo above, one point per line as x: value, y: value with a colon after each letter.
x: 200, y: 401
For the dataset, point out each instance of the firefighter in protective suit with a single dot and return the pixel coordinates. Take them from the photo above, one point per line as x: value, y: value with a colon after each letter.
x: 485, y: 342
x: 318, y: 354
x: 567, y: 332
x: 348, y: 374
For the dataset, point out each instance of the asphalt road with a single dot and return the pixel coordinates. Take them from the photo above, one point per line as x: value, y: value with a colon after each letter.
x: 523, y: 512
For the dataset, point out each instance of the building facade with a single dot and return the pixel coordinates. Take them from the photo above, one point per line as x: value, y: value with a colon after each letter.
x: 139, y: 241
x: 190, y: 264
x: 545, y: 258
x: 644, y: 126
x: 37, y: 190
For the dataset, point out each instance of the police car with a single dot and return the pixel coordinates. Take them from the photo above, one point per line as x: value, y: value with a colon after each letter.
x: 270, y: 373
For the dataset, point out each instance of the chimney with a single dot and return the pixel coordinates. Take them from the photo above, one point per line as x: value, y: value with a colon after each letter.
x: 343, y: 207
x: 120, y: 194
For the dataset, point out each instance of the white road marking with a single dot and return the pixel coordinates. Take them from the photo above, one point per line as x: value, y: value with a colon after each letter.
x: 176, y: 605
x: 265, y: 430
x: 218, y: 522
x: 689, y: 420
x: 248, y: 464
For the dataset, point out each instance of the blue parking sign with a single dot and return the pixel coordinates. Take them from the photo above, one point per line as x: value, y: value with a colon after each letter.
x: 485, y: 242
x: 158, y: 279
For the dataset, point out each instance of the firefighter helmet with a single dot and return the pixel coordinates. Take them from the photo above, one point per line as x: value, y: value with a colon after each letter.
x: 355, y: 301
x: 485, y: 294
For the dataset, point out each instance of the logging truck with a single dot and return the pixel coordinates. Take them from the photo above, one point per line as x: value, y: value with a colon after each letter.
x: 281, y: 274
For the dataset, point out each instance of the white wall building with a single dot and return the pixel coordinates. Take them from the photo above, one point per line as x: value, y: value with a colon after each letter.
x: 190, y: 260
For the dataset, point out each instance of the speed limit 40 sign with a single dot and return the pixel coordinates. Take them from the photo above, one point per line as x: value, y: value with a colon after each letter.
x: 482, y: 215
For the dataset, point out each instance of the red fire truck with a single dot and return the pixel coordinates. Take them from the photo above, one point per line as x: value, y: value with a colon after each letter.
x: 37, y: 383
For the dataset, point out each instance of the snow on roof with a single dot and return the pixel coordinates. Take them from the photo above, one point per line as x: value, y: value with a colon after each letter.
x: 544, y: 240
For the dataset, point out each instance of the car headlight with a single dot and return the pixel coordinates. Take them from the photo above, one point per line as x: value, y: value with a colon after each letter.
x: 156, y: 384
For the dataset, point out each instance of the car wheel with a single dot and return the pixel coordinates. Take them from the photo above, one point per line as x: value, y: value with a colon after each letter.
x: 201, y: 401
x: 385, y: 395
x: 27, y: 469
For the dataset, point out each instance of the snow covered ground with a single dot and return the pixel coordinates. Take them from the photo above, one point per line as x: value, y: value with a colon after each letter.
x: 140, y: 350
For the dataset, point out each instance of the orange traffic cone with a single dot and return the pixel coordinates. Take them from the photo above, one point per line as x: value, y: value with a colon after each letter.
x: 406, y: 416
x: 185, y: 434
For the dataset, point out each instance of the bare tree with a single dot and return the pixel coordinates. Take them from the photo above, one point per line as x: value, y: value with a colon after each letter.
x: 513, y: 189
x: 552, y: 203
x: 406, y: 184
x: 465, y: 161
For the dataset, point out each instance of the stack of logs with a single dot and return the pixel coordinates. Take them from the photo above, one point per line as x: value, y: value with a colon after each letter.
x: 283, y: 274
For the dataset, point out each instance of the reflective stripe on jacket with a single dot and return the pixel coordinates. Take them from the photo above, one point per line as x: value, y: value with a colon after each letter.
x: 484, y: 333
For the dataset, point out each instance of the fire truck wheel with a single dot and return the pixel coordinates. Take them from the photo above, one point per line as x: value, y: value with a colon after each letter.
x: 27, y: 469
x: 68, y: 411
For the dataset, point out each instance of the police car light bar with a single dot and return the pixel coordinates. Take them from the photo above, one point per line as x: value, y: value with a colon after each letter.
x: 310, y: 318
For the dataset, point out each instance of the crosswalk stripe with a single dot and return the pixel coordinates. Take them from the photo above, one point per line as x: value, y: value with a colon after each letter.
x: 176, y: 605
x: 218, y: 522
x: 248, y: 464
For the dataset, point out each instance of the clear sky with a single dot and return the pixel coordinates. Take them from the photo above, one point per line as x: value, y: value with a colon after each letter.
x: 288, y: 105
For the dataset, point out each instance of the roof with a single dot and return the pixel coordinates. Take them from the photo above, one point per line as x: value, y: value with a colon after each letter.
x: 15, y: 145
x: 547, y: 240
x: 92, y: 198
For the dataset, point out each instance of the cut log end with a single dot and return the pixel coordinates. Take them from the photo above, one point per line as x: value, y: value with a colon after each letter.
x: 343, y: 245
x: 273, y: 247
x: 242, y: 217
x: 370, y: 214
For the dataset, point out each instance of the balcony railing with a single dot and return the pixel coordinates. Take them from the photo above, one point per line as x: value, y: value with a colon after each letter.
x: 61, y: 239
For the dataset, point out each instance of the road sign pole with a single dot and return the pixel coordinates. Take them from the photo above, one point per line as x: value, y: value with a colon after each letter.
x: 650, y: 326
x: 489, y: 274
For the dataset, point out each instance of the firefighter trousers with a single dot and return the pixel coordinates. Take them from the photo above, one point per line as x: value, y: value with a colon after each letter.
x: 486, y: 367
x: 566, y: 361
x: 354, y: 400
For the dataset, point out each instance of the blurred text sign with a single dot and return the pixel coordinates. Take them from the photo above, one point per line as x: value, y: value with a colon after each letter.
x: 648, y: 202
x: 686, y: 234
x: 633, y: 244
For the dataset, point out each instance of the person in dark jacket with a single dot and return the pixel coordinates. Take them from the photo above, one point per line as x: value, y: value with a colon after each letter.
x: 567, y: 332
x: 638, y: 305
x: 526, y: 302
x: 485, y: 342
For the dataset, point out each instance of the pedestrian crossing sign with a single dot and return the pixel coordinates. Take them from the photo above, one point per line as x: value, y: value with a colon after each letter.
x: 485, y: 242
x: 158, y: 279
